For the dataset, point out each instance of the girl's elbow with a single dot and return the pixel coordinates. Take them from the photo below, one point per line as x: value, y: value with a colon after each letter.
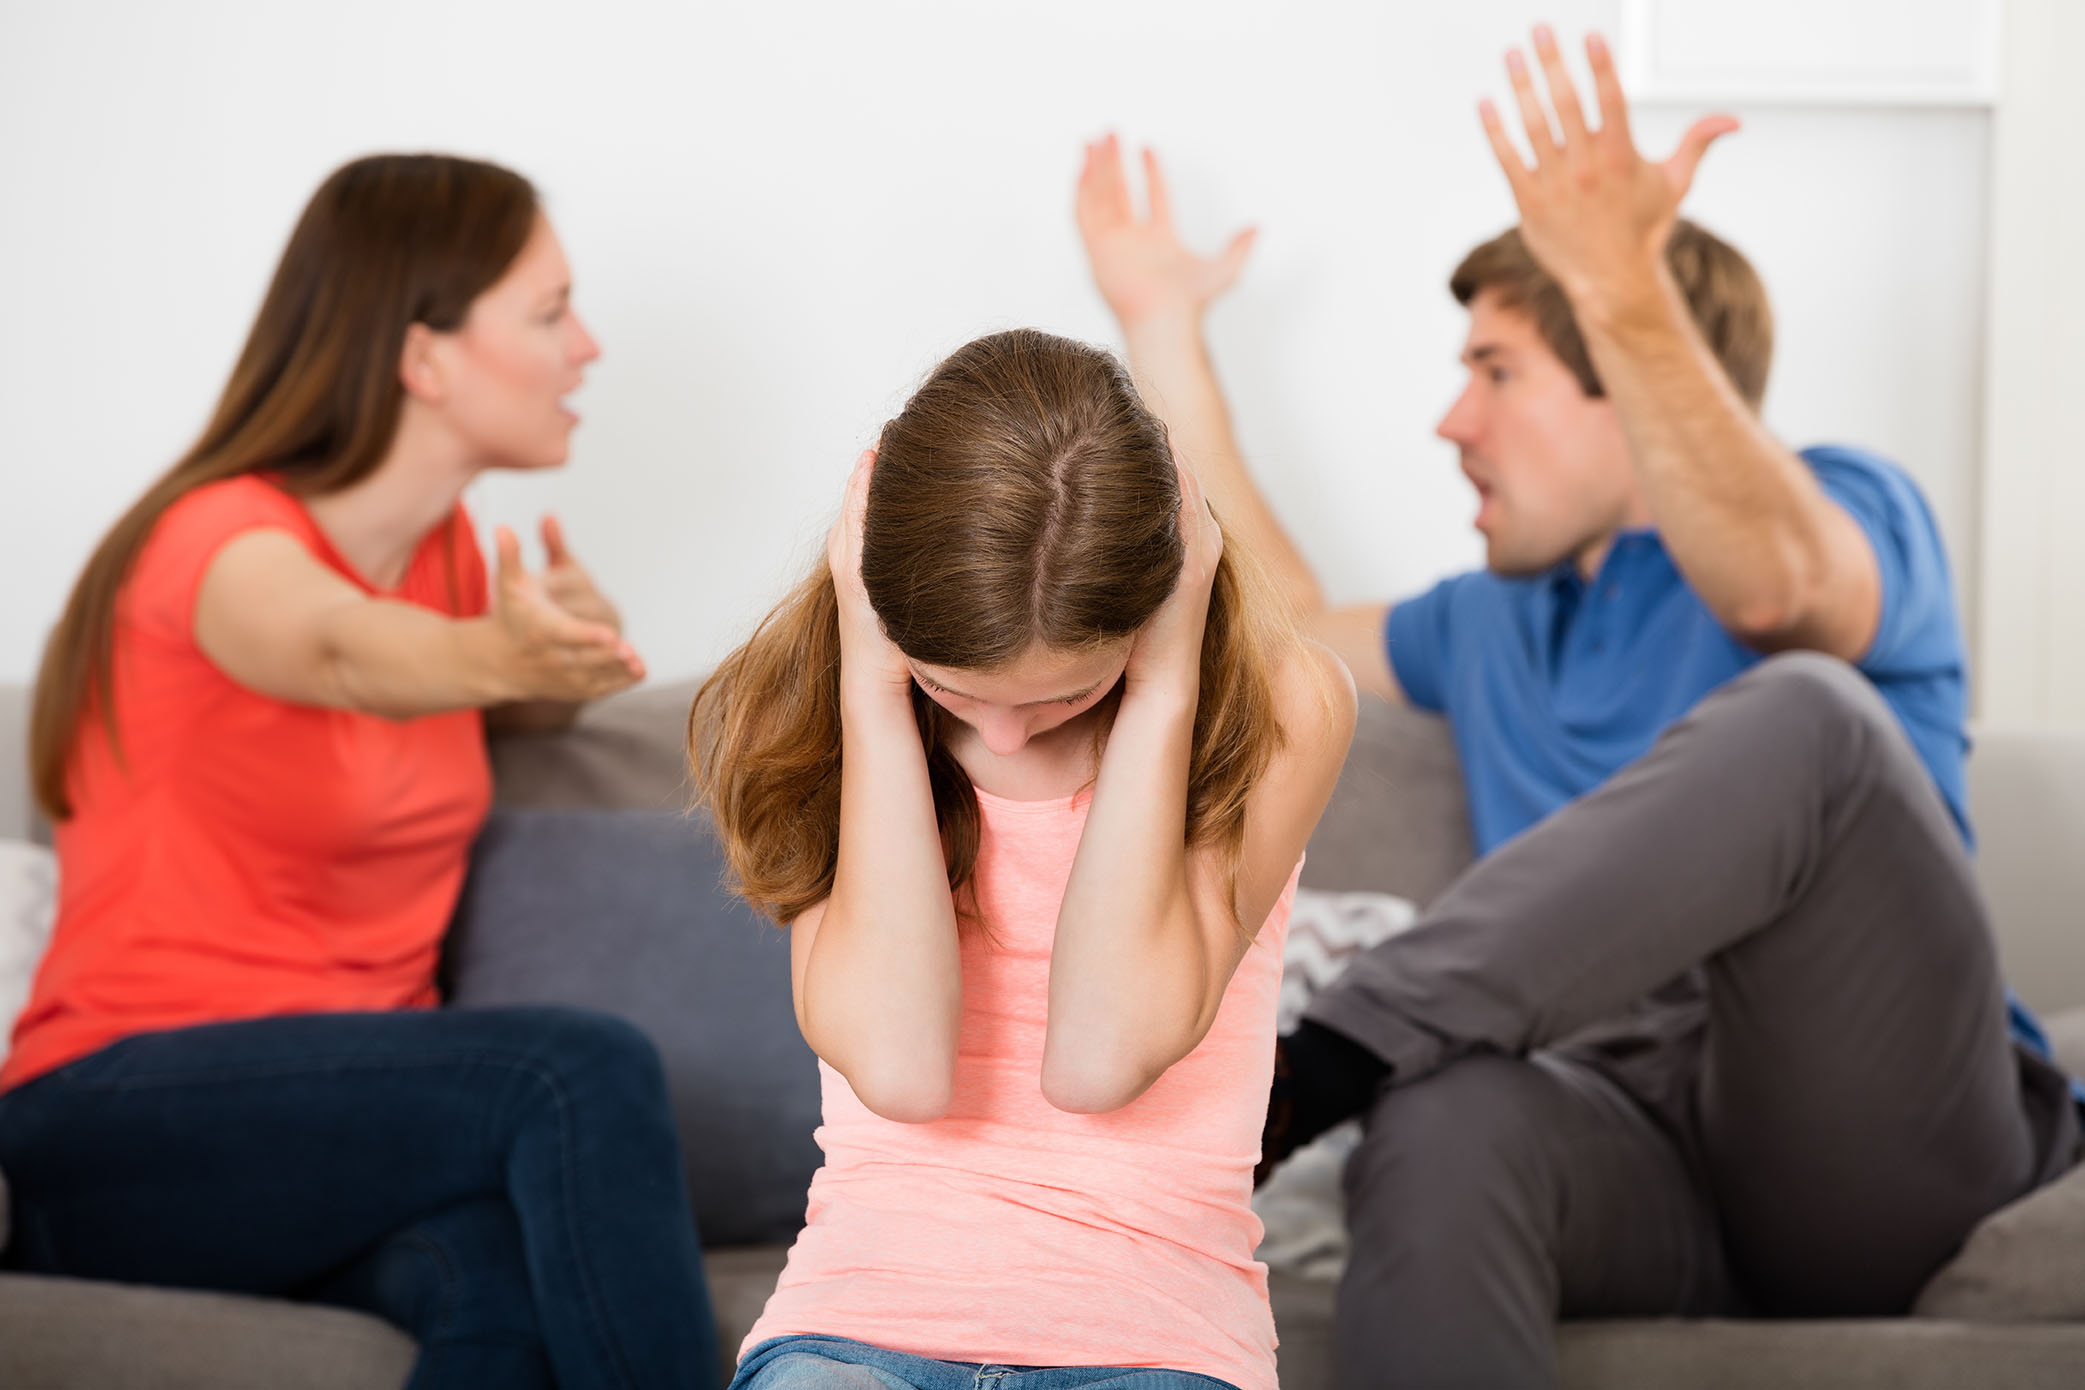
x: 1093, y: 1085
x: 906, y: 1095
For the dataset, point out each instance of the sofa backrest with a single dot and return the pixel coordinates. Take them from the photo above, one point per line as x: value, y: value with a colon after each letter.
x: 1397, y: 823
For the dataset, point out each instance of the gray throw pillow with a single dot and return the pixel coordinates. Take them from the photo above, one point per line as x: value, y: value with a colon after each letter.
x: 623, y: 911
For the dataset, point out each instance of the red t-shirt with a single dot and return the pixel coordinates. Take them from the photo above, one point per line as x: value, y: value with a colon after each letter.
x: 250, y: 857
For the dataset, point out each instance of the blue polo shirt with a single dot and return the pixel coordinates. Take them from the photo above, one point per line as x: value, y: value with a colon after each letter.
x: 1551, y: 684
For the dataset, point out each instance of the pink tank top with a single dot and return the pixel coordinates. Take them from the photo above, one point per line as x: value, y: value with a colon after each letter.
x: 1012, y: 1232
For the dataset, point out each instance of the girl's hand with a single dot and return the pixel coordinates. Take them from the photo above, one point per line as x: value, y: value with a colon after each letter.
x: 864, y: 649
x: 547, y: 652
x: 1167, y: 656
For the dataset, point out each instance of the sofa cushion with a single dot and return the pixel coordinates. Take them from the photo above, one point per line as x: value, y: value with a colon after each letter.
x: 59, y: 1334
x: 622, y: 911
x: 2025, y: 1263
x: 28, y: 903
x: 1398, y: 821
x: 624, y: 752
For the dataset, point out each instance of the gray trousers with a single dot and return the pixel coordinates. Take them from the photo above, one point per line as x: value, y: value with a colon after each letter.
x: 1726, y: 1036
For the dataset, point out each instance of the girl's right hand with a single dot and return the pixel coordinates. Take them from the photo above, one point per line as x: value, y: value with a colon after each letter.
x: 547, y: 653
x: 864, y: 649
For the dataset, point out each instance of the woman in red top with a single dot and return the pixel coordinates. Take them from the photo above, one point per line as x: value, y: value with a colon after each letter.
x: 259, y: 731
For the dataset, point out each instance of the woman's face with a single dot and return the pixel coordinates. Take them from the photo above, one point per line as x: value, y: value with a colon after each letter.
x: 1035, y: 693
x: 520, y: 351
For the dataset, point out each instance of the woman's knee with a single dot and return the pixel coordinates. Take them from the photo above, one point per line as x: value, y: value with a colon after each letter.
x: 574, y: 1050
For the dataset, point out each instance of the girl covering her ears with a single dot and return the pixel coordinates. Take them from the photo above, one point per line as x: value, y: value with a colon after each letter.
x: 1027, y: 768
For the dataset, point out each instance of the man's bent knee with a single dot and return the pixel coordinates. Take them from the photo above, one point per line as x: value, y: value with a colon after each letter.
x: 1462, y: 1148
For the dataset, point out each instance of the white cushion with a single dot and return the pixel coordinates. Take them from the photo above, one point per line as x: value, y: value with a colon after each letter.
x: 28, y: 901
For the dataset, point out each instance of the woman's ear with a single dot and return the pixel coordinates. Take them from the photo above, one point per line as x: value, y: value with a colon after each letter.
x: 421, y: 365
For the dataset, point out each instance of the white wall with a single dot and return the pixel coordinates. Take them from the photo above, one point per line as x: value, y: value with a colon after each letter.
x: 782, y: 214
x: 2033, y: 666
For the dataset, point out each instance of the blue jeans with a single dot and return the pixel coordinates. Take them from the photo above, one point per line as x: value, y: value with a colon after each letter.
x: 504, y: 1184
x: 836, y: 1363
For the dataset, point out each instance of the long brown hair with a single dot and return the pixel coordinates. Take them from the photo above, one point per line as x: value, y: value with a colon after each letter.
x: 1023, y: 497
x: 387, y: 241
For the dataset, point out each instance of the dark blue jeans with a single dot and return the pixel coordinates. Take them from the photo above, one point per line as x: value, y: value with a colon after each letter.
x: 505, y: 1184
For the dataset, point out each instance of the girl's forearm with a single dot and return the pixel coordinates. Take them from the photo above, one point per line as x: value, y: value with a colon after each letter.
x: 1131, y: 966
x: 882, y: 994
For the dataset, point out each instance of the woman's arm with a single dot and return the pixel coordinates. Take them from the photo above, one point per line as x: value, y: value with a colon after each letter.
x: 278, y: 622
x: 1147, y: 937
x: 876, y: 967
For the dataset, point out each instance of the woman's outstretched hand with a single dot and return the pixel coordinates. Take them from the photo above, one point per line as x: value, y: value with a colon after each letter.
x: 1140, y: 267
x: 567, y: 584
x: 549, y: 651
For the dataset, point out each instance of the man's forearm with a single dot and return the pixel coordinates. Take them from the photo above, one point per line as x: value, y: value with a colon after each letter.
x: 1744, y: 519
x: 1170, y: 360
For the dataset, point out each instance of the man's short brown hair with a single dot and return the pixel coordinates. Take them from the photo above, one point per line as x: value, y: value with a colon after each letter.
x: 1727, y: 299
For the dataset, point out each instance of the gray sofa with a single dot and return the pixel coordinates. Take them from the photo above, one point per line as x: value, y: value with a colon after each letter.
x: 2010, y: 1312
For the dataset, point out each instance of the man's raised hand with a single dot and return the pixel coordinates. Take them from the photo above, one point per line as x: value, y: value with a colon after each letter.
x: 1140, y: 266
x: 1594, y: 212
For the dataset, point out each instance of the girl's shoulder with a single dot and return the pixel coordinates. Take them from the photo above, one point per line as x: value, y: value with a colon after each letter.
x: 1315, y: 703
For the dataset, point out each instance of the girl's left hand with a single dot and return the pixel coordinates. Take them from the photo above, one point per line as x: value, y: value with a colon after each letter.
x: 1168, y: 652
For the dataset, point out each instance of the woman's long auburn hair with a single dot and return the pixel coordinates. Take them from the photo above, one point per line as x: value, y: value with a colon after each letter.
x: 388, y: 241
x: 1024, y: 497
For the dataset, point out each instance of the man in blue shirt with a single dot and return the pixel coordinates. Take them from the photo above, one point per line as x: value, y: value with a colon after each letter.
x: 1715, y: 1024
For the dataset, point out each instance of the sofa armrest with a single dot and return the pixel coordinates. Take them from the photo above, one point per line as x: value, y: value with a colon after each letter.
x: 2027, y: 796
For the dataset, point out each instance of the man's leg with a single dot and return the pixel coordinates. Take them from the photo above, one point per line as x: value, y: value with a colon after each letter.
x: 1497, y: 1193
x: 260, y: 1156
x: 1862, y: 1103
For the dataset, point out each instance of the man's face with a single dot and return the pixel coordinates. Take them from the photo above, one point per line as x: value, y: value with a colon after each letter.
x: 1550, y: 464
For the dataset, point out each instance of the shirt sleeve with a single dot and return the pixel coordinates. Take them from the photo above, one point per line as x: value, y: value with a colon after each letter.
x: 1418, y: 634
x: 1918, y: 630
x: 160, y: 593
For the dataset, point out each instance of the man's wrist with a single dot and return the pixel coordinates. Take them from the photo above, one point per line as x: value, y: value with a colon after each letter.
x: 1169, y: 327
x: 1629, y: 307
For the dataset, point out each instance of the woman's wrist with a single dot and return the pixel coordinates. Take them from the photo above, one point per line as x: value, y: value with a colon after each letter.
x: 493, y: 673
